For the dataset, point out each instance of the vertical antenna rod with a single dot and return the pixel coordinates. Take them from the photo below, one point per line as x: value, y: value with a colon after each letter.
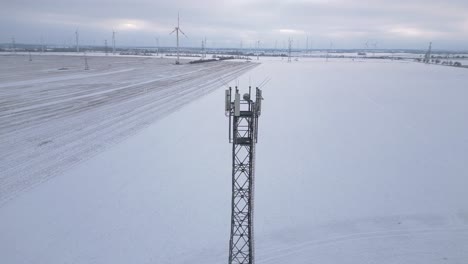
x: 243, y: 130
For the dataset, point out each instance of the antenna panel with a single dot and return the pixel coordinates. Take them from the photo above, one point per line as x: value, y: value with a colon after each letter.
x: 237, y: 105
x: 228, y: 101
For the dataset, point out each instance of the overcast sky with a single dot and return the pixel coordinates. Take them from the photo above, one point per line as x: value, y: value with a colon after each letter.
x: 345, y: 23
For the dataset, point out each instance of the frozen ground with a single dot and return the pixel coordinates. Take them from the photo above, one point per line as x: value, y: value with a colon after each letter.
x: 357, y: 162
x: 54, y: 114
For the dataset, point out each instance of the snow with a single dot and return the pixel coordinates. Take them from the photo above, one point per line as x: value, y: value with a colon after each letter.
x: 357, y: 162
x: 52, y: 119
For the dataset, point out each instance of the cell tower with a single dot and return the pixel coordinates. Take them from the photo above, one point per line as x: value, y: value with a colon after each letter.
x: 113, y: 42
x: 243, y: 131
x: 177, y: 30
x: 427, y: 56
x: 77, y: 39
x: 289, y: 49
x: 157, y: 46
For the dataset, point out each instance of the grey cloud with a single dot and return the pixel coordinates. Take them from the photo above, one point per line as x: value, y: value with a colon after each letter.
x: 397, y: 23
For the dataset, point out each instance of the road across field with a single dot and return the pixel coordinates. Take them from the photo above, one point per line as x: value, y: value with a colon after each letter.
x: 54, y: 114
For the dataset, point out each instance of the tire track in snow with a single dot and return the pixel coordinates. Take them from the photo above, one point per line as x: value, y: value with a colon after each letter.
x: 270, y: 255
x: 46, y: 145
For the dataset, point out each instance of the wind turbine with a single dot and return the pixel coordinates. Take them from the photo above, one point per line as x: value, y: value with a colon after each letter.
x: 77, y: 37
x: 328, y: 51
x: 42, y: 45
x: 13, y: 45
x: 157, y: 45
x: 113, y: 41
x: 177, y: 30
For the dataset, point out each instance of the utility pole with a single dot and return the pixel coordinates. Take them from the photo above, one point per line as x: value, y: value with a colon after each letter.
x: 243, y: 132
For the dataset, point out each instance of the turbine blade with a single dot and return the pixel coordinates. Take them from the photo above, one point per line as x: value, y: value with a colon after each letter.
x: 182, y: 33
x: 173, y: 31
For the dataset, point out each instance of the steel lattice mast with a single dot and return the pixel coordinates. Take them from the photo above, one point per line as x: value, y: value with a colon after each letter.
x: 243, y: 127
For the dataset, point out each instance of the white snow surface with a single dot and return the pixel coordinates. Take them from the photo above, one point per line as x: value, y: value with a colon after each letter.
x: 357, y: 162
x: 51, y: 119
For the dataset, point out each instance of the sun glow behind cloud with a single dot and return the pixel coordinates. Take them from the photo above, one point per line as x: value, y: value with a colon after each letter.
x: 291, y: 31
x: 350, y: 23
x: 412, y: 32
x: 131, y: 25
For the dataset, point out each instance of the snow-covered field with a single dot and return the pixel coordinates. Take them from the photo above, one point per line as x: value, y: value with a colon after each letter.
x: 357, y: 162
x: 54, y: 114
